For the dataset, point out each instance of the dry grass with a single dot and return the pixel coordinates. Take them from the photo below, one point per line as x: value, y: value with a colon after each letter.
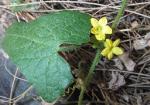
x: 136, y: 91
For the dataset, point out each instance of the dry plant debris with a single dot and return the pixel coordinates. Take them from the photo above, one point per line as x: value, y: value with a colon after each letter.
x: 128, y: 62
x: 117, y: 81
x: 133, y: 69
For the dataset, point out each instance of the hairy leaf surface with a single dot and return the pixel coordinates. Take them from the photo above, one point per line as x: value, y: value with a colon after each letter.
x: 34, y: 48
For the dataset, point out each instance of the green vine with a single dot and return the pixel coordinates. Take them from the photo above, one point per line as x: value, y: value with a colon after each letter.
x: 98, y: 55
x: 120, y: 13
x: 89, y: 76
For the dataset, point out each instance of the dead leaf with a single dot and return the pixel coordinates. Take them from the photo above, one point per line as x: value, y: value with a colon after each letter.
x: 128, y: 62
x: 117, y: 81
x: 134, y: 24
x: 126, y: 97
x: 140, y: 44
x: 147, y: 36
x: 118, y: 63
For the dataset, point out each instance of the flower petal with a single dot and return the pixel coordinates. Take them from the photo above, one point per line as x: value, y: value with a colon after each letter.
x: 117, y: 51
x: 100, y: 36
x: 116, y: 42
x: 94, y: 30
x: 94, y: 22
x: 105, y: 51
x: 102, y: 21
x: 110, y: 55
x: 106, y: 29
x: 108, y: 43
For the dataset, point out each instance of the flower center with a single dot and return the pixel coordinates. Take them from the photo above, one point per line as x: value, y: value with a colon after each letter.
x: 110, y: 48
x: 99, y: 29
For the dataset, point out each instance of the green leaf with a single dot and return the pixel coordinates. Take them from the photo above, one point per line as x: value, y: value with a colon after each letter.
x: 34, y: 48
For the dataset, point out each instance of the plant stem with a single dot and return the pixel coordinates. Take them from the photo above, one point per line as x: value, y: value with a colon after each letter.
x: 89, y: 76
x: 120, y: 13
x: 98, y: 56
x: 80, y: 101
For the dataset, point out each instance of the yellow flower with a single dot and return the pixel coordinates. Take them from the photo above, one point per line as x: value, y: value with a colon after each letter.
x: 111, y: 48
x: 100, y: 28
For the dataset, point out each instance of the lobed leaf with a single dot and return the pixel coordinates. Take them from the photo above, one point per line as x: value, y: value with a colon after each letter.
x: 34, y: 48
